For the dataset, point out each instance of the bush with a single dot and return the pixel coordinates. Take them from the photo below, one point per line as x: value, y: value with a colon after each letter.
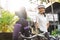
x: 6, y: 20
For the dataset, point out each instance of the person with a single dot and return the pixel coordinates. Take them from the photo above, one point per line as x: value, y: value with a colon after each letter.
x: 21, y: 13
x: 41, y: 20
x: 21, y: 25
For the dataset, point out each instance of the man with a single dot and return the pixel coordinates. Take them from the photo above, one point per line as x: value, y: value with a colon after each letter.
x: 41, y: 20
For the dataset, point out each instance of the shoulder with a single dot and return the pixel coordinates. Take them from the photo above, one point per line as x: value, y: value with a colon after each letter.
x: 17, y: 26
x: 37, y: 15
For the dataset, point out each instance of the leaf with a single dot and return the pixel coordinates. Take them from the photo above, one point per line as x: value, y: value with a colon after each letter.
x: 6, y: 18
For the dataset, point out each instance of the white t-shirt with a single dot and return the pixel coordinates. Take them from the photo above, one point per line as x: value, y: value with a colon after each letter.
x: 42, y: 22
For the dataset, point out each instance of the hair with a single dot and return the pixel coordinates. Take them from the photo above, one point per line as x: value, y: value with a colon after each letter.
x: 22, y: 13
x: 23, y: 16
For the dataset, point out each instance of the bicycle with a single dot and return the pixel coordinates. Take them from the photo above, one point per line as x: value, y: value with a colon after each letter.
x: 34, y: 37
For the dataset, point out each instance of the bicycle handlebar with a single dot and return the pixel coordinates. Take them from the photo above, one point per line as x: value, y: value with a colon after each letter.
x: 41, y: 35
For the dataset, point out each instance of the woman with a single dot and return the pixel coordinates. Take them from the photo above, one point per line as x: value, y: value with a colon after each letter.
x: 21, y: 25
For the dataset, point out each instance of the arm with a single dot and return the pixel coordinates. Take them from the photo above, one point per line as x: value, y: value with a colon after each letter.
x: 48, y: 25
x: 47, y: 21
x: 36, y: 25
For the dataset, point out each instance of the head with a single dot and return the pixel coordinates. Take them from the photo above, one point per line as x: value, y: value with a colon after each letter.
x: 41, y: 9
x: 22, y: 13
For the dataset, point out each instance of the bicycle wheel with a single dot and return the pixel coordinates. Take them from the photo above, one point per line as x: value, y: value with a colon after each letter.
x: 42, y: 38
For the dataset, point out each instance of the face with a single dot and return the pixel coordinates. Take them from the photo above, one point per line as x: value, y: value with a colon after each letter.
x: 41, y: 10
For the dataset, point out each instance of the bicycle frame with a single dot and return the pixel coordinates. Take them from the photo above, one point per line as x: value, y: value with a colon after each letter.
x: 34, y: 37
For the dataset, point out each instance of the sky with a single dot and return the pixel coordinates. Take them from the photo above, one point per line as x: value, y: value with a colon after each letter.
x: 15, y: 5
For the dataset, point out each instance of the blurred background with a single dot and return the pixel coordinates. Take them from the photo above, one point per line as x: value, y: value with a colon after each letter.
x: 9, y: 9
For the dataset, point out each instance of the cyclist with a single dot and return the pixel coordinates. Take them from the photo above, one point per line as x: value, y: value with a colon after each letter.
x: 41, y: 20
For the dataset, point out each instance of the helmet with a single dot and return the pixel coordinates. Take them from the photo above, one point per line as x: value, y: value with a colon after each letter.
x: 41, y: 6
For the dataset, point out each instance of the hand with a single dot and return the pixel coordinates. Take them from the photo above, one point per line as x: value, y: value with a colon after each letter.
x: 36, y: 25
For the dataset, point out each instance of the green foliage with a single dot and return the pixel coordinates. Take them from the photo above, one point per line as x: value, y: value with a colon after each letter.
x: 28, y: 19
x: 6, y: 18
x: 55, y: 32
x: 43, y: 0
x: 59, y: 0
